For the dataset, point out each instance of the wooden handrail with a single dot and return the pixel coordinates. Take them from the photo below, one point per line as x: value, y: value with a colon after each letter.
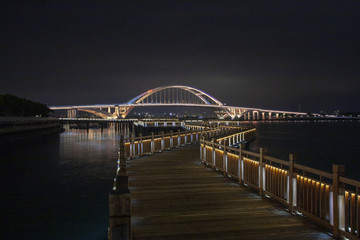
x: 349, y: 182
x: 277, y: 160
x: 313, y: 171
x: 305, y: 192
x: 251, y: 153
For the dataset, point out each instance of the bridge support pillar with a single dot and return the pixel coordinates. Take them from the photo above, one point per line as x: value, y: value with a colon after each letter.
x: 117, y: 112
x: 72, y: 113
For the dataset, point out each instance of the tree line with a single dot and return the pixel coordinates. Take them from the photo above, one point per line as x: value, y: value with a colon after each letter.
x: 13, y: 106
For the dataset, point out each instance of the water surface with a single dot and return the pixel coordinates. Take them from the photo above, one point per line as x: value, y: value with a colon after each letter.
x: 56, y: 187
x: 319, y: 144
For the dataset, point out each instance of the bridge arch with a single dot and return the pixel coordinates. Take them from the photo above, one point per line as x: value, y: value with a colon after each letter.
x: 175, y: 95
x: 182, y: 96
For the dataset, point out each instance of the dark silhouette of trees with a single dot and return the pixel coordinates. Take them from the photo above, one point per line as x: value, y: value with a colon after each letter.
x: 13, y: 106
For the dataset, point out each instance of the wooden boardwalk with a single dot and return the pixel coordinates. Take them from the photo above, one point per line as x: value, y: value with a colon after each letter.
x: 174, y: 196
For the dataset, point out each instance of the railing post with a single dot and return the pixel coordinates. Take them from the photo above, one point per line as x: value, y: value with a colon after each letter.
x: 261, y: 159
x: 171, y: 139
x: 292, y: 159
x: 240, y: 167
x: 179, y: 138
x: 225, y: 160
x: 201, y: 149
x: 204, y: 150
x: 141, y: 148
x: 213, y: 152
x: 132, y: 145
x: 120, y: 202
x: 338, y: 170
x: 162, y: 141
x: 152, y: 143
x: 185, y: 137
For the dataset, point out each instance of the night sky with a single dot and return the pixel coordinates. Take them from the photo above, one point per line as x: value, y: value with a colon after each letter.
x: 266, y: 54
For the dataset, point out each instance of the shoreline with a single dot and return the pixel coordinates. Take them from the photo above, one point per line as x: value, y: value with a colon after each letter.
x: 13, y: 128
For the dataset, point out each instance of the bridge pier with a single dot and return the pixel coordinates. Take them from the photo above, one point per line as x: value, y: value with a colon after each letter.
x: 72, y: 113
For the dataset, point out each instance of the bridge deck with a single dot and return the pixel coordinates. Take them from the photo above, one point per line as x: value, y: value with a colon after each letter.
x: 174, y: 196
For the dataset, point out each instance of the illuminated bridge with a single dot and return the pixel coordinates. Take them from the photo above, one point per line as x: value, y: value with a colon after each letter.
x: 182, y: 96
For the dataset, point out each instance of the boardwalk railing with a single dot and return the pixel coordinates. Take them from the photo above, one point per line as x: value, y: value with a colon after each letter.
x: 141, y: 145
x: 119, y: 198
x: 304, y: 190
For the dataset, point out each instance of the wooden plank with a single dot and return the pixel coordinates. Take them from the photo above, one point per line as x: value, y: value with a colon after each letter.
x: 174, y: 196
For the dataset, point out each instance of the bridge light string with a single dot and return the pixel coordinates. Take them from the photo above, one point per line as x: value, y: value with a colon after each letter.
x: 184, y: 95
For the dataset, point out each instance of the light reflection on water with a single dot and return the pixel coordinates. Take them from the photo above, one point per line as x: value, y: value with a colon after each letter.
x: 88, y: 146
x: 56, y: 187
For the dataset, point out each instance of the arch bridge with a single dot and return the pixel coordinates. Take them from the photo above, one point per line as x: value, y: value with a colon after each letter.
x: 182, y: 96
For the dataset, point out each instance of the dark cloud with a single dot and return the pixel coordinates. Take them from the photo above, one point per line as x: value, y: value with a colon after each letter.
x: 270, y: 54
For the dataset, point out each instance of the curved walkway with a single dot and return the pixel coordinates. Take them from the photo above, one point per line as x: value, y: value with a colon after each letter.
x: 174, y: 196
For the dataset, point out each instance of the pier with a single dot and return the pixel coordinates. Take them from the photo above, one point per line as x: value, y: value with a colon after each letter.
x: 174, y: 196
x: 213, y: 190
